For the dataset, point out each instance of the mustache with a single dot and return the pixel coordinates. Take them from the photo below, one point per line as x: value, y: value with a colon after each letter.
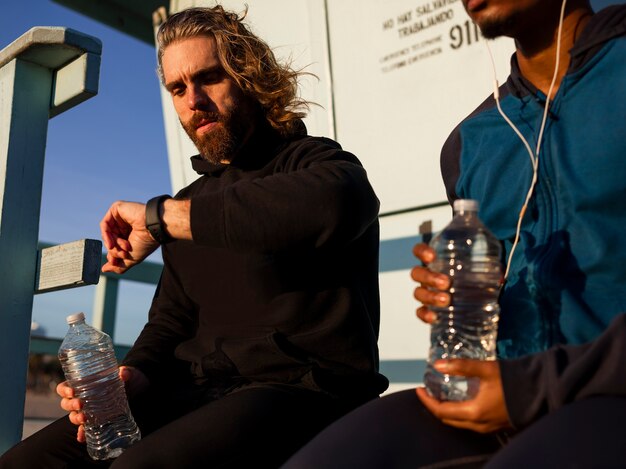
x: 203, y: 116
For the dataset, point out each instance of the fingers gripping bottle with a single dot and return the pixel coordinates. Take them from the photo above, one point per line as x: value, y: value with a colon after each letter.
x: 470, y: 255
x: 91, y: 369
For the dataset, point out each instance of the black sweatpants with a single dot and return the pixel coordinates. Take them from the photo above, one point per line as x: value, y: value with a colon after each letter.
x: 253, y: 426
x: 397, y: 432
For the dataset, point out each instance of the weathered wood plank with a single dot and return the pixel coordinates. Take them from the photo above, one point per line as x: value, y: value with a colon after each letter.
x: 68, y: 265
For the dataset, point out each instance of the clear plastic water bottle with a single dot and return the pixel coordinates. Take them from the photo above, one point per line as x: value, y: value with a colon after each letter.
x: 470, y: 255
x: 91, y: 369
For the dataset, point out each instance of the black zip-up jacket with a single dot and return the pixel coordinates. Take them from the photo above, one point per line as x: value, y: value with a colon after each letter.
x: 280, y: 283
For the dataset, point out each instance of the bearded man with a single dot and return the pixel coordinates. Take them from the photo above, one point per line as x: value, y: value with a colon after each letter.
x: 264, y: 324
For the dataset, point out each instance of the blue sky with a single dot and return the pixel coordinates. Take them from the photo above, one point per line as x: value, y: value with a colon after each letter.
x: 109, y: 147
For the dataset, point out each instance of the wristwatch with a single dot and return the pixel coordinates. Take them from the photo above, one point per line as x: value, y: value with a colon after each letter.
x: 154, y: 224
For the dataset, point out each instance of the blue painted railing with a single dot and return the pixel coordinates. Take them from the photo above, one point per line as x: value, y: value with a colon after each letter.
x: 105, y: 306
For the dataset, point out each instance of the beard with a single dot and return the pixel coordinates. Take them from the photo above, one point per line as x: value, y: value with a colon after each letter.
x: 220, y: 143
x: 512, y: 18
x: 492, y: 28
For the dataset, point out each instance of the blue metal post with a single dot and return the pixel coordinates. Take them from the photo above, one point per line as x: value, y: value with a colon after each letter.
x: 42, y: 73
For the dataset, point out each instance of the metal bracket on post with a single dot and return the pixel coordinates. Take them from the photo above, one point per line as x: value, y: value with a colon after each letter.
x: 42, y: 73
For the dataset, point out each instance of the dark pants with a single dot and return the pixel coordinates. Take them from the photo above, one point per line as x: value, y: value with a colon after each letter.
x: 398, y: 432
x: 253, y: 426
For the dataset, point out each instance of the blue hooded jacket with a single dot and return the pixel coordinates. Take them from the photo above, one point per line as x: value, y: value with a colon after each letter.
x: 568, y: 274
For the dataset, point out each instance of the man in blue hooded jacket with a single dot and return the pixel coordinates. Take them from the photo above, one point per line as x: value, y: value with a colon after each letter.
x: 557, y: 395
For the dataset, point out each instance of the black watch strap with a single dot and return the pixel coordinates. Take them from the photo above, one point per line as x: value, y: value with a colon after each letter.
x: 154, y: 224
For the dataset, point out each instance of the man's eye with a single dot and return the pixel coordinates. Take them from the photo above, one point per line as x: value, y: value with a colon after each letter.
x: 177, y: 91
x: 208, y: 78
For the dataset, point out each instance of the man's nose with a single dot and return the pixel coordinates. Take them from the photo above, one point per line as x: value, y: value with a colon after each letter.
x: 197, y: 98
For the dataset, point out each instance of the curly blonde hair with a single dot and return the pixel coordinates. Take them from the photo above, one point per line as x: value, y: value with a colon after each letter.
x: 246, y: 58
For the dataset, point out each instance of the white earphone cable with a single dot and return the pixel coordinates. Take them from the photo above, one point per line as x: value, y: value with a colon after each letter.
x: 534, y: 158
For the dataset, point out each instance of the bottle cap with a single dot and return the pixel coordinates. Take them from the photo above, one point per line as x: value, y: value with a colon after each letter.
x: 72, y: 318
x: 465, y: 205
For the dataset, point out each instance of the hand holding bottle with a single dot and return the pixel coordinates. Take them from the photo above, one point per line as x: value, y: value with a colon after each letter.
x: 432, y: 285
x: 470, y: 256
x: 135, y: 382
x: 73, y: 405
x: 486, y: 412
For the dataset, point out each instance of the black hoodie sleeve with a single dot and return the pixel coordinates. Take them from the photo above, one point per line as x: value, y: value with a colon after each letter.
x: 318, y: 195
x: 538, y: 384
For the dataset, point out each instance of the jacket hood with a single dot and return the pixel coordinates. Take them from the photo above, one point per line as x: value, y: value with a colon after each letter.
x: 603, y: 26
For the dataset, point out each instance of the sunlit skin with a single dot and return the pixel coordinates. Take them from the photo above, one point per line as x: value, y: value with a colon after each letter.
x: 533, y: 24
x: 202, y: 93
